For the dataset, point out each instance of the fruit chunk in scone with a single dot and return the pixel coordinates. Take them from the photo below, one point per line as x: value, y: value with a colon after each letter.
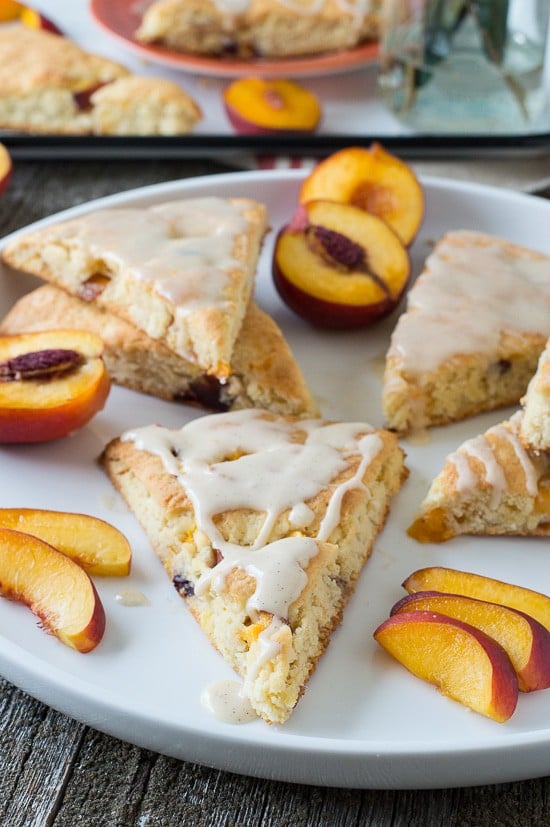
x: 372, y: 180
x: 54, y: 587
x: 339, y: 267
x: 51, y: 384
x: 462, y: 661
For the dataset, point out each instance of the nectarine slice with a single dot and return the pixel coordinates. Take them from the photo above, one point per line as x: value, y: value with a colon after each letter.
x: 256, y: 106
x: 373, y: 180
x: 524, y: 639
x: 94, y: 544
x: 441, y: 579
x: 337, y: 266
x: 51, y: 384
x: 462, y: 661
x: 55, y: 588
x: 6, y: 168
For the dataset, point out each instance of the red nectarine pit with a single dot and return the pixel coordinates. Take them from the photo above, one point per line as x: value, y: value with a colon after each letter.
x: 40, y: 364
x: 341, y: 252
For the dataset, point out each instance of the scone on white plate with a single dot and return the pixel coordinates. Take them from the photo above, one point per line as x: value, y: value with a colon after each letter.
x: 263, y: 524
x: 264, y: 373
x: 476, y: 322
x: 263, y: 28
x: 490, y: 485
x: 48, y: 84
x: 535, y: 425
x: 181, y: 271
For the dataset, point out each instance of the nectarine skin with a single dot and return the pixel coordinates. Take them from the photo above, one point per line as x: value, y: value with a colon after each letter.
x: 442, y: 579
x: 462, y: 661
x: 524, y: 639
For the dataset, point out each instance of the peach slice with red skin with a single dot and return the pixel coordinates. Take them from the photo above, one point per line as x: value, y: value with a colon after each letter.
x: 54, y: 587
x: 441, y: 579
x: 6, y: 168
x: 51, y: 383
x: 372, y: 180
x: 11, y: 10
x: 256, y: 106
x: 462, y: 661
x: 524, y: 639
x: 94, y: 544
x: 339, y: 267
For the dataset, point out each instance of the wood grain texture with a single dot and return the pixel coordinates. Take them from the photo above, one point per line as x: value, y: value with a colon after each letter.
x: 58, y: 772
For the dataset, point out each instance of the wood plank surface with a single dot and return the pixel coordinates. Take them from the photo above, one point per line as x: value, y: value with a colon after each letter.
x: 55, y: 771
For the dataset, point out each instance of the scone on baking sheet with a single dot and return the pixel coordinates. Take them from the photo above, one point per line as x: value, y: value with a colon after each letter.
x: 265, y: 28
x: 264, y: 372
x: 181, y: 271
x: 476, y: 322
x: 535, y: 425
x: 490, y: 485
x: 48, y: 84
x: 139, y: 105
x: 263, y: 524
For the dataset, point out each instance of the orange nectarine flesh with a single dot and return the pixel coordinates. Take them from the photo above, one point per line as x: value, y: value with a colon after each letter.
x: 39, y: 401
x: 54, y: 587
x: 10, y: 10
x: 94, y: 544
x: 256, y: 106
x: 6, y: 168
x: 441, y: 579
x: 34, y: 19
x: 373, y: 180
x: 462, y: 661
x: 524, y: 639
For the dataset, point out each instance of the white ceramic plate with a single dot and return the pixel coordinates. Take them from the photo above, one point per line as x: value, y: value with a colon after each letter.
x: 363, y: 721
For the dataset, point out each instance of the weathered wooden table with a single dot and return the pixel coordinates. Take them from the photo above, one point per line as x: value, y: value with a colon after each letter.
x: 56, y: 771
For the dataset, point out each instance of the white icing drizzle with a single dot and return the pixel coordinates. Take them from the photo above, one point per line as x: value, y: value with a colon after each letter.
x: 466, y: 479
x: 131, y: 597
x: 529, y: 470
x: 480, y: 449
x: 467, y: 295
x: 300, y: 515
x: 184, y: 249
x: 268, y: 649
x: 227, y: 702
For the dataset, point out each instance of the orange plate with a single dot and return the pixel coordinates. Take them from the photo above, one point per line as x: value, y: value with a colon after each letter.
x: 120, y: 18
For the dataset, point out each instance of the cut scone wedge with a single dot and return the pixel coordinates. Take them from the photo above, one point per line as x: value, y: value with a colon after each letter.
x: 263, y: 524
x: 180, y: 271
x: 490, y: 485
x: 476, y: 321
x: 264, y: 373
x: 535, y: 425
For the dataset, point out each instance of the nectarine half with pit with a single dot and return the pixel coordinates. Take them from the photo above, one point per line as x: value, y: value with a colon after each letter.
x: 372, y: 180
x: 256, y: 106
x: 441, y: 579
x: 55, y: 588
x: 462, y: 661
x: 94, y: 544
x: 524, y: 639
x: 339, y: 267
x: 51, y: 383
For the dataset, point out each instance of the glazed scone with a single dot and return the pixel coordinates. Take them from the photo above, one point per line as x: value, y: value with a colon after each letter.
x: 476, y: 322
x: 263, y: 524
x: 265, y: 28
x: 264, y: 373
x: 143, y: 106
x: 490, y: 485
x: 181, y: 271
x: 535, y: 425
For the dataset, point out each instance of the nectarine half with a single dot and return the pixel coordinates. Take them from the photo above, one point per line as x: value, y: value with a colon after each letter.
x: 255, y: 106
x: 373, y: 180
x: 461, y: 660
x: 339, y: 267
x: 6, y: 168
x: 51, y: 383
x: 55, y: 588
x: 524, y: 639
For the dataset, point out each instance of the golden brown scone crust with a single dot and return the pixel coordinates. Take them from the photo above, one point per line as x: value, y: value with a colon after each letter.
x: 535, y: 425
x: 161, y: 504
x: 265, y: 27
x: 72, y: 254
x: 264, y: 371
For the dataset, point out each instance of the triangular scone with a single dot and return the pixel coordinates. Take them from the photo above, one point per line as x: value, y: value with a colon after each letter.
x: 181, y: 271
x: 50, y: 85
x: 264, y: 373
x: 535, y: 425
x: 263, y: 524
x: 476, y: 322
x: 490, y: 485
